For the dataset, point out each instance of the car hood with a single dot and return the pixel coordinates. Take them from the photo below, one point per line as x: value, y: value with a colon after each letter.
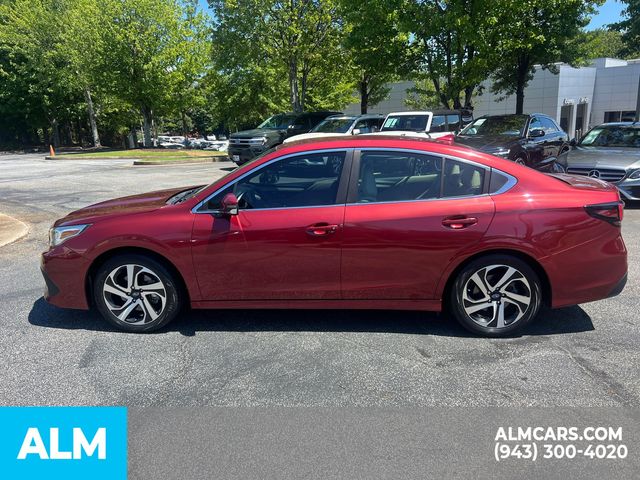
x: 487, y: 143
x: 258, y: 132
x: 144, y: 202
x: 604, y: 157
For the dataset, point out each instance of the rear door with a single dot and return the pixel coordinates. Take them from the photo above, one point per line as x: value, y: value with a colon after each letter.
x: 408, y: 215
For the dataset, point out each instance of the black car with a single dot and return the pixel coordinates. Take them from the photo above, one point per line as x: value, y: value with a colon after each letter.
x: 243, y: 146
x: 533, y: 140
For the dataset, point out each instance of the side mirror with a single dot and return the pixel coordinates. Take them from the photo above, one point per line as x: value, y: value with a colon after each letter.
x: 229, y: 204
x: 573, y: 142
x: 536, y: 132
x: 355, y: 131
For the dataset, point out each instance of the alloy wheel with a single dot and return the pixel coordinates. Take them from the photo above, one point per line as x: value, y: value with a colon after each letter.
x: 496, y: 296
x: 134, y: 294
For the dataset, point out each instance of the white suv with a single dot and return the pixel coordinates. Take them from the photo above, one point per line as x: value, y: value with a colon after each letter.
x: 434, y: 124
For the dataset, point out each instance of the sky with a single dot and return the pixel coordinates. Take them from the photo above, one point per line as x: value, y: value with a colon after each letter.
x: 610, y: 12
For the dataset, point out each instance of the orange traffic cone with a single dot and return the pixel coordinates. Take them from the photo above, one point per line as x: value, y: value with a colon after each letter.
x: 52, y: 152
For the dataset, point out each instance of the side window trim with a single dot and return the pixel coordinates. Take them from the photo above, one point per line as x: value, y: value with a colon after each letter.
x: 352, y: 193
x: 342, y: 186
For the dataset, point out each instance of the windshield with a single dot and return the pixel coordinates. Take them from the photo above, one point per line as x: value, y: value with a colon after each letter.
x: 410, y: 123
x: 512, y: 125
x: 334, y: 125
x: 278, y: 122
x: 619, y: 136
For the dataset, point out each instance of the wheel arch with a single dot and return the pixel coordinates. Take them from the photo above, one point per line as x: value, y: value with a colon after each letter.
x: 545, y: 283
x: 105, y: 256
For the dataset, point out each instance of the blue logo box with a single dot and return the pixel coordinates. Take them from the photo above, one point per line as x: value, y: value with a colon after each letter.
x: 63, y: 443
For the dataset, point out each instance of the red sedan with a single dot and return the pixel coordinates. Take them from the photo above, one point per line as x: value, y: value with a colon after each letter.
x: 358, y: 223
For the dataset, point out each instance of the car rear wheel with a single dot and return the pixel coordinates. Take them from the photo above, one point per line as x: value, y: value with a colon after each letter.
x: 496, y: 295
x: 520, y: 160
x: 136, y: 293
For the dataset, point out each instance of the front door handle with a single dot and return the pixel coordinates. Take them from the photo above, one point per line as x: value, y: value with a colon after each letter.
x: 321, y: 229
x: 457, y: 223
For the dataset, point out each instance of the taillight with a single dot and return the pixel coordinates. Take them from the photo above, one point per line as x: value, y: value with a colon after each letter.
x: 609, y: 212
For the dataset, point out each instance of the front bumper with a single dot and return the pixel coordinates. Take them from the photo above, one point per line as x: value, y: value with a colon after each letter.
x: 242, y: 154
x: 64, y: 272
x: 630, y: 189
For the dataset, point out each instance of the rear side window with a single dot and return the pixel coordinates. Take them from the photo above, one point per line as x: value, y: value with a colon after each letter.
x: 453, y: 123
x: 438, y: 124
x: 398, y: 176
x: 462, y: 179
x: 498, y: 181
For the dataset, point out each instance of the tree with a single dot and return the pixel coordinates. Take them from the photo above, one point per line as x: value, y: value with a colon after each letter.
x: 630, y: 28
x: 451, y: 43
x: 376, y: 47
x: 149, y: 51
x: 296, y: 42
x: 535, y: 32
x: 599, y: 43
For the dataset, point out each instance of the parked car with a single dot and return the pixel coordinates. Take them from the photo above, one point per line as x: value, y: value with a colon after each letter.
x: 437, y: 123
x: 533, y: 140
x: 342, y: 125
x: 610, y: 152
x: 359, y: 222
x: 246, y: 145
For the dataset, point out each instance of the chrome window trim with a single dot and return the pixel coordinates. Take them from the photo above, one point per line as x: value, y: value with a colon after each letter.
x: 511, y: 180
x: 273, y: 160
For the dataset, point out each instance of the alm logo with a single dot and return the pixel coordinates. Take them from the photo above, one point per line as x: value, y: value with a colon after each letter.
x: 34, y: 445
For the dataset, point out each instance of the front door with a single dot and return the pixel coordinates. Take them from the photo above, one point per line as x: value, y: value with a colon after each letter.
x: 285, y: 242
x: 408, y: 217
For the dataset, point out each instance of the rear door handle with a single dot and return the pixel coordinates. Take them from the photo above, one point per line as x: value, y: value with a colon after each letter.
x: 321, y: 229
x: 457, y: 223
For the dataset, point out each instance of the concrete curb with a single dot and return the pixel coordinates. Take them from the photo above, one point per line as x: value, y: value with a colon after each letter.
x: 11, y: 230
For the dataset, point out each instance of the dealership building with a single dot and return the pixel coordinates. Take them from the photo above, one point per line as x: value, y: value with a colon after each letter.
x: 578, y: 98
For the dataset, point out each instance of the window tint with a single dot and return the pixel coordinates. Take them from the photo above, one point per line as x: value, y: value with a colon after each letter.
x: 369, y: 125
x: 453, y: 123
x: 305, y: 180
x: 535, y: 124
x: 397, y: 176
x: 498, y: 180
x: 462, y: 179
x: 438, y: 124
x: 548, y: 126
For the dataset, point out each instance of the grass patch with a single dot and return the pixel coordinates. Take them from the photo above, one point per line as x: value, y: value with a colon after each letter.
x: 143, y: 154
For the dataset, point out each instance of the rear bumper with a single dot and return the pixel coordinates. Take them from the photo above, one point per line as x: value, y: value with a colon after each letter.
x: 241, y: 155
x: 592, y: 271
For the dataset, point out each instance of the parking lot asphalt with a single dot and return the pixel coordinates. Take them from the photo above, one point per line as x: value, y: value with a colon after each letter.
x: 580, y: 356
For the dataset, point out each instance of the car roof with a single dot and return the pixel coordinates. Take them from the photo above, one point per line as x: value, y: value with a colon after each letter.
x: 620, y: 124
x: 370, y: 138
x: 432, y: 112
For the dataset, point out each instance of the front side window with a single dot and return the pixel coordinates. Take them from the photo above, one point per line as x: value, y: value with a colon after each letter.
x: 398, y: 176
x: 278, y: 122
x: 548, y: 125
x: 438, y: 124
x: 300, y: 181
x: 453, y: 123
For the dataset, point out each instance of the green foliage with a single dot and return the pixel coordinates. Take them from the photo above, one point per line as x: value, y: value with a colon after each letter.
x: 262, y: 46
x: 535, y: 32
x: 630, y: 28
x: 598, y: 43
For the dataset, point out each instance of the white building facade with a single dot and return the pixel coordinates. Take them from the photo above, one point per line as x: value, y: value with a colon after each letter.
x: 578, y: 98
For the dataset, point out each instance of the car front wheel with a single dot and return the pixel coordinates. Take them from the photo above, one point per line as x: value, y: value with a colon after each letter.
x: 496, y: 295
x: 136, y: 293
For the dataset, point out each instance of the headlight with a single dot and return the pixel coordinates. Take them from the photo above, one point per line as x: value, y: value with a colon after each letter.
x: 501, y: 153
x: 258, y: 141
x: 634, y: 175
x: 58, y: 235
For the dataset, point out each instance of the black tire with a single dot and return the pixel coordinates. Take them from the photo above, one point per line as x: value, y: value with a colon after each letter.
x: 155, y: 307
x: 466, y: 294
x: 520, y: 160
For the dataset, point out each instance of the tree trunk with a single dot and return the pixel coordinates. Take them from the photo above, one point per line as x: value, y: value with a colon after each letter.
x: 55, y: 133
x: 364, y: 96
x: 521, y: 80
x: 92, y: 118
x: 184, y: 124
x: 147, y: 123
x: 293, y: 86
